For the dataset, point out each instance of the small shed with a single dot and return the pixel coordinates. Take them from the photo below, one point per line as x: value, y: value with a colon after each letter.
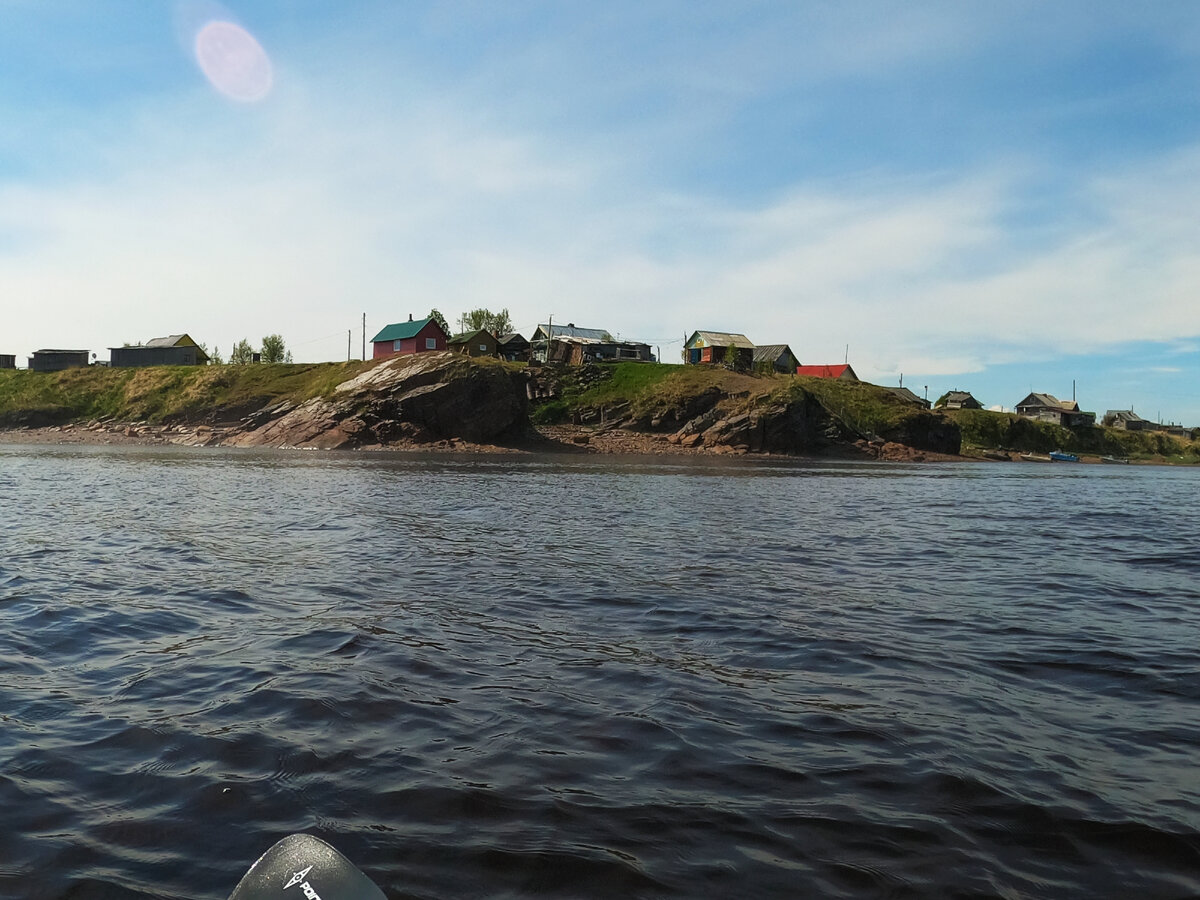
x: 405, y: 338
x: 57, y: 360
x: 172, y: 350
x: 8, y: 361
x: 842, y: 372
x: 513, y: 347
x: 778, y: 356
x: 712, y: 347
x: 907, y: 396
x: 473, y: 343
x: 958, y: 400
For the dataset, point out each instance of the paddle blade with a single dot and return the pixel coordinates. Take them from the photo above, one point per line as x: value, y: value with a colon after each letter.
x: 302, y: 867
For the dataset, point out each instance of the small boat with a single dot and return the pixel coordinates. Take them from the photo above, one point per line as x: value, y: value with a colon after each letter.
x: 1035, y: 457
x: 1060, y: 456
x: 999, y: 455
x: 1115, y: 460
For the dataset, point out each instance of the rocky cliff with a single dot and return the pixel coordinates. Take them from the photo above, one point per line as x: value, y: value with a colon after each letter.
x: 420, y: 399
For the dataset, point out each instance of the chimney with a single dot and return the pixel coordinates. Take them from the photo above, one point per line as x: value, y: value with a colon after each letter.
x: 410, y: 317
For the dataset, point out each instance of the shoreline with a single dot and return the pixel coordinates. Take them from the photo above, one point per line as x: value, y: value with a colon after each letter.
x: 560, y: 439
x: 564, y: 439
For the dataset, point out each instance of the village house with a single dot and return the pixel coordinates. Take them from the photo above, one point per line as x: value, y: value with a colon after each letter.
x: 405, y: 338
x: 513, y: 347
x: 711, y: 347
x: 842, y: 372
x: 1048, y: 408
x: 57, y: 360
x: 473, y: 343
x: 958, y: 400
x: 8, y: 361
x: 172, y: 350
x: 1127, y: 420
x: 779, y: 357
x: 576, y: 346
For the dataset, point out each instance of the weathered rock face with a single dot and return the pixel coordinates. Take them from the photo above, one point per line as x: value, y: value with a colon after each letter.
x: 927, y: 431
x: 423, y: 398
x: 800, y: 426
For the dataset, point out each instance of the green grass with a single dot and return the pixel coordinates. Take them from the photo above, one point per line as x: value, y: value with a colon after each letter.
x: 161, y: 393
x: 867, y: 408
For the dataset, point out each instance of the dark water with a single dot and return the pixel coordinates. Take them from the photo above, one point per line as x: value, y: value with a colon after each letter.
x: 487, y: 677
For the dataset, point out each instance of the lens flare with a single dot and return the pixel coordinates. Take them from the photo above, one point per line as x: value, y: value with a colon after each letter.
x: 233, y: 61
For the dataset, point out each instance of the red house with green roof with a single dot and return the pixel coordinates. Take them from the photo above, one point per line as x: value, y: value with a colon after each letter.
x: 403, y: 338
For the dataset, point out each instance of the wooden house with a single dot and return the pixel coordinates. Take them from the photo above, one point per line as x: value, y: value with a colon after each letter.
x: 57, y: 360
x: 473, y: 343
x: 576, y: 346
x: 907, y: 396
x: 513, y: 347
x: 958, y: 400
x: 406, y: 338
x: 8, y: 361
x: 1048, y: 408
x: 778, y: 357
x: 1127, y: 420
x: 713, y: 347
x: 842, y: 372
x: 172, y: 350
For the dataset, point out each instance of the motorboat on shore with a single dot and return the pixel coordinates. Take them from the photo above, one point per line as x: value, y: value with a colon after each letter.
x: 1062, y: 456
x: 1035, y: 457
x: 1115, y: 460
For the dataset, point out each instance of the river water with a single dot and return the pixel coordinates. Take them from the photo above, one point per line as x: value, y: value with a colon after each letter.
x: 583, y: 677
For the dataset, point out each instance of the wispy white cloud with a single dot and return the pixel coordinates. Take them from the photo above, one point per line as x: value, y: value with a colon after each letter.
x: 365, y: 193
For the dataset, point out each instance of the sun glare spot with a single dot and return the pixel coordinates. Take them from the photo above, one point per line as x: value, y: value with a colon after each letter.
x: 233, y: 61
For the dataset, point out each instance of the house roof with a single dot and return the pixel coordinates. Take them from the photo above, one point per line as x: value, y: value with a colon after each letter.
x: 957, y: 396
x: 905, y: 394
x: 570, y: 331
x: 1124, y: 415
x: 171, y: 340
x: 42, y: 352
x: 771, y: 352
x: 723, y: 339
x: 825, y: 371
x: 1049, y: 401
x: 512, y: 338
x: 467, y: 336
x: 401, y: 330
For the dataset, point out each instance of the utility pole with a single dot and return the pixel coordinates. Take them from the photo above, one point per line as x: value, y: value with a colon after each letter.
x: 364, y: 337
x: 348, y: 330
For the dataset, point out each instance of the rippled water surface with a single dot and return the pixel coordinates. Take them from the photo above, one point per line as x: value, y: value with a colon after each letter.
x: 582, y: 677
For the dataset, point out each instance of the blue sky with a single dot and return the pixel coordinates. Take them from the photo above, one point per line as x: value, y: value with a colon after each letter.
x: 993, y: 197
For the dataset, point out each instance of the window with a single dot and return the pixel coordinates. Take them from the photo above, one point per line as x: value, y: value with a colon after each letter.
x: 396, y: 345
x: 430, y: 343
x: 483, y: 348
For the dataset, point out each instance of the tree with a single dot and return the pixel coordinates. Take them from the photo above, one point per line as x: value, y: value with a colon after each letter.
x: 486, y: 320
x: 242, y: 353
x: 440, y: 319
x: 273, y: 350
x: 214, y: 355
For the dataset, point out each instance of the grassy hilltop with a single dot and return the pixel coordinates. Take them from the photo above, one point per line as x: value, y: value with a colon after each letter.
x: 161, y: 393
